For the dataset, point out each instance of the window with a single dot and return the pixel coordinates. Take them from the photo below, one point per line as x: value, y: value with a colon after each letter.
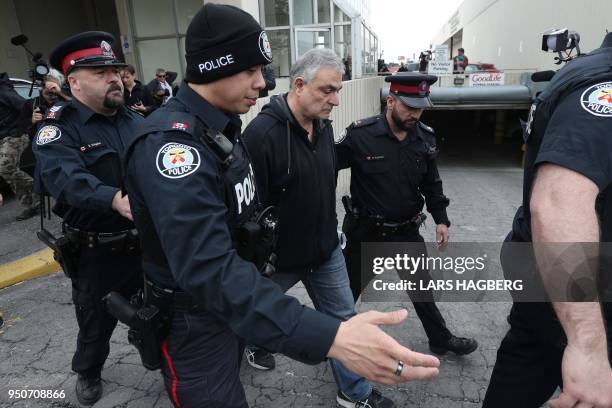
x: 342, y: 40
x: 303, y: 12
x: 159, y: 54
x: 153, y: 17
x: 275, y: 13
x: 281, y: 52
x: 323, y: 11
x: 185, y: 10
x: 308, y: 39
x: 160, y: 27
x: 339, y: 15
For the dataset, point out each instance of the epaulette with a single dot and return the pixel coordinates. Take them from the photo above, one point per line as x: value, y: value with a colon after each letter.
x: 171, y: 121
x: 365, y: 122
x: 55, y: 112
x: 426, y: 128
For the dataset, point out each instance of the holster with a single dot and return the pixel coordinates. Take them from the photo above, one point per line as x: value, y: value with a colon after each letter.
x: 65, y: 251
x: 257, y: 240
x: 148, y: 324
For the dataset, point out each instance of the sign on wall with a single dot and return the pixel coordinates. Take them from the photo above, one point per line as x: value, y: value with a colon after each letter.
x: 487, y: 79
x: 438, y: 67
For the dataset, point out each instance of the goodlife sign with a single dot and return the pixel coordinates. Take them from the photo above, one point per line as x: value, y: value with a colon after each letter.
x: 487, y: 79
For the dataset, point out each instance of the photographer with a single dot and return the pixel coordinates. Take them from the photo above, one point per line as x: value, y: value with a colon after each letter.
x: 50, y: 94
x: 13, y: 142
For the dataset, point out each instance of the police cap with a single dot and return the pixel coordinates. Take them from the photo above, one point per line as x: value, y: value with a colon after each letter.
x: 88, y: 49
x: 412, y: 88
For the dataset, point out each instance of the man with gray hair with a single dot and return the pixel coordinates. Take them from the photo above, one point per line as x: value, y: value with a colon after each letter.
x: 292, y: 149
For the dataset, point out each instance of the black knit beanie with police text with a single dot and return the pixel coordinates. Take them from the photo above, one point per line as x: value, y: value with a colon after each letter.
x: 221, y: 41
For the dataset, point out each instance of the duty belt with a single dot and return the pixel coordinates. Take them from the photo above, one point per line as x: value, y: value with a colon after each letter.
x: 116, y: 242
x: 385, y: 227
x: 180, y: 300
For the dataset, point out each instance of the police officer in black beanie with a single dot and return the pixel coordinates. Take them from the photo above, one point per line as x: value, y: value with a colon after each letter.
x: 192, y: 191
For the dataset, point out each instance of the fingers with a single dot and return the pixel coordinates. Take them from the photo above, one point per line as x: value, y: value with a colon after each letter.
x: 387, y: 318
x: 583, y: 405
x: 417, y: 367
x: 422, y: 360
x: 419, y: 373
x: 564, y: 401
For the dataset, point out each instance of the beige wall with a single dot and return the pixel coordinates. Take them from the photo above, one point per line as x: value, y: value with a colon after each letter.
x: 508, y: 33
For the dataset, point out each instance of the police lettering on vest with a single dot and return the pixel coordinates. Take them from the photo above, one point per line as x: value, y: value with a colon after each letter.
x: 216, y: 63
x: 245, y: 191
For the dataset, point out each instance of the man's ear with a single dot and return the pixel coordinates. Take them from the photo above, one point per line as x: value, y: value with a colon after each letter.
x: 298, y: 85
x: 390, y: 101
x: 73, y: 82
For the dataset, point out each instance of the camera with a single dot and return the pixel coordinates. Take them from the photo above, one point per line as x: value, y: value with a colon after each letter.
x: 40, y: 70
x: 561, y: 41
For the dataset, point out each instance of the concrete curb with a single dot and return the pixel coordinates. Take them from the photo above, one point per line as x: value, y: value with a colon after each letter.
x: 38, y: 264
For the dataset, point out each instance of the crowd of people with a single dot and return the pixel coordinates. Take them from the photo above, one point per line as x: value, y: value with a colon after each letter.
x: 160, y: 182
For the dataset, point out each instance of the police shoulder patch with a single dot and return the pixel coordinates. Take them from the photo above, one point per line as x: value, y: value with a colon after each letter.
x: 342, y: 137
x: 177, y: 160
x: 54, y: 112
x: 597, y: 99
x: 48, y: 134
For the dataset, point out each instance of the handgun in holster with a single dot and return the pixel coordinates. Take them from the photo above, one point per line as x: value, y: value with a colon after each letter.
x: 257, y: 240
x: 352, y: 216
x: 65, y: 251
x: 148, y: 325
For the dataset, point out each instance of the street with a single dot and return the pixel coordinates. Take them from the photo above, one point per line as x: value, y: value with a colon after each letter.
x: 38, y: 339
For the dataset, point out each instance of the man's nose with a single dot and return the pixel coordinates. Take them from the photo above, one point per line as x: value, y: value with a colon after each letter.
x: 334, y: 99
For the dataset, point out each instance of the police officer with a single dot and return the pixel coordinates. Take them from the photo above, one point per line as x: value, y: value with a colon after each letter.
x: 193, y: 191
x: 392, y: 158
x: 566, y: 198
x: 78, y: 148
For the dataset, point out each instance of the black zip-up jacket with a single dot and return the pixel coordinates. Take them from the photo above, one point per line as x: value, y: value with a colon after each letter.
x: 12, y: 114
x: 138, y: 94
x: 299, y: 177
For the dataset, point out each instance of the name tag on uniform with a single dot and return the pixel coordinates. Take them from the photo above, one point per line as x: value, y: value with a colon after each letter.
x: 374, y: 158
x: 91, y: 146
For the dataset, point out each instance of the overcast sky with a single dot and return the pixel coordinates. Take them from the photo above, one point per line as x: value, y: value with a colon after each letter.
x: 405, y: 27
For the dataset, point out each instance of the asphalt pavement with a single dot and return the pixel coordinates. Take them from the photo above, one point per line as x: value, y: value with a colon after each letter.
x: 38, y: 339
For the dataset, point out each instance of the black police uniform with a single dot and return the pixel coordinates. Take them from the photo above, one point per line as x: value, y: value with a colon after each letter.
x: 388, y: 181
x: 188, y: 206
x: 569, y: 125
x: 78, y: 157
x: 78, y: 153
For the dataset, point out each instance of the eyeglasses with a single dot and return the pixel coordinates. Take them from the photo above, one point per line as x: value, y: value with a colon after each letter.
x: 161, y: 75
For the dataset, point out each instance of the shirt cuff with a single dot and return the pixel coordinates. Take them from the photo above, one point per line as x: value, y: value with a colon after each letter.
x: 312, y: 338
x: 104, y: 199
x: 440, y: 217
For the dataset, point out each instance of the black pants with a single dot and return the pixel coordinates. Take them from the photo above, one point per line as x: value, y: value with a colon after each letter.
x: 425, y: 307
x: 528, y: 367
x: 201, y: 363
x: 99, y: 273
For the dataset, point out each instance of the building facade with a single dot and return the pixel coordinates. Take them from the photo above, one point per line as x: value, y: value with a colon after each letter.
x: 152, y: 32
x: 508, y: 33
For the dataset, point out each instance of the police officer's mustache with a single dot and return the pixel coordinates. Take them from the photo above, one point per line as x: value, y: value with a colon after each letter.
x: 112, y: 88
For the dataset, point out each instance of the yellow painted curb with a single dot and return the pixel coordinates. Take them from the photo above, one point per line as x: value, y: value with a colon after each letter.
x: 32, y: 266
